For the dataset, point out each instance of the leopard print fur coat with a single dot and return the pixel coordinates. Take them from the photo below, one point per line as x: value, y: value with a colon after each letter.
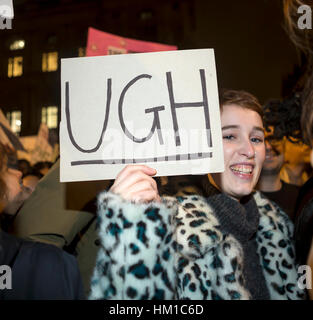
x: 176, y: 250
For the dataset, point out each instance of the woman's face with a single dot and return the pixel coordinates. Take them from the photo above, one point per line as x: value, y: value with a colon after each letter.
x: 16, y: 193
x: 244, y: 151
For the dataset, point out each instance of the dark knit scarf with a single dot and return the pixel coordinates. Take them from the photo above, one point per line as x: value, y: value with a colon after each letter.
x: 241, y: 220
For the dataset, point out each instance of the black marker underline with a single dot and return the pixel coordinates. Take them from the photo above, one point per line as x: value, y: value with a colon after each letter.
x: 177, y: 157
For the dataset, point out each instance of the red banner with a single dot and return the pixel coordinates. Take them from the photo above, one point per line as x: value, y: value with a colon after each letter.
x: 101, y: 43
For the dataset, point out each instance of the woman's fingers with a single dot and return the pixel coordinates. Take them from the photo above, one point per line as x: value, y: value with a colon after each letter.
x: 129, y: 169
x: 130, y: 175
x: 135, y: 183
x: 132, y: 179
x: 138, y: 187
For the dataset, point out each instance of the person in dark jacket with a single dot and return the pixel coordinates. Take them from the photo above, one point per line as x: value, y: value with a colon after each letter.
x: 31, y: 270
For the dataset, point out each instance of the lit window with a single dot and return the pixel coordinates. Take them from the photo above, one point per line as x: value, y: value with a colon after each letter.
x: 15, y: 67
x: 49, y: 116
x: 49, y: 61
x: 17, y: 45
x: 82, y: 52
x: 15, y: 120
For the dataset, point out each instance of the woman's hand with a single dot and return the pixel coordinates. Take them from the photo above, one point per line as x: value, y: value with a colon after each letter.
x: 135, y: 183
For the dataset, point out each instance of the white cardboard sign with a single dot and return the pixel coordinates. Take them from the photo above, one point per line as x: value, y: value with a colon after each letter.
x: 160, y: 109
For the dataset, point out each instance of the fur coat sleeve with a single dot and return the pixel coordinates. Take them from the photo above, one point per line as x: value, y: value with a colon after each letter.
x: 136, y: 259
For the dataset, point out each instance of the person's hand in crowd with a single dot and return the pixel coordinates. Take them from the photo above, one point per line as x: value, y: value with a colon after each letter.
x: 135, y: 183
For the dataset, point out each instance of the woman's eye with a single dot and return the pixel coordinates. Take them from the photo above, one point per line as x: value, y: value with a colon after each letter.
x: 229, y: 137
x: 257, y: 140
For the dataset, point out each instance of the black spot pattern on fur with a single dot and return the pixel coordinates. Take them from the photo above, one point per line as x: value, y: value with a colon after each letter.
x: 290, y: 252
x: 161, y: 231
x: 121, y: 272
x: 186, y: 280
x: 195, y: 268
x: 266, y: 267
x: 192, y: 287
x: 141, y: 232
x: 217, y: 263
x: 208, y: 283
x: 114, y: 229
x: 272, y: 245
x: 134, y: 248
x: 182, y: 263
x: 286, y: 265
x: 199, y: 214
x: 277, y: 288
x: 174, y: 245
x: 189, y: 205
x: 226, y: 246
x: 281, y: 273
x: 268, y: 235
x: 110, y: 291
x: 280, y: 227
x: 168, y: 238
x: 126, y: 224
x: 157, y: 267
x: 215, y: 296
x: 230, y: 277
x: 109, y: 213
x: 193, y: 241
x: 234, y: 295
x: 159, y: 294
x: 196, y: 223
x: 263, y: 251
x: 203, y: 290
x: 153, y: 214
x: 145, y: 296
x: 282, y: 243
x: 218, y: 281
x: 290, y: 287
x: 131, y: 292
x: 166, y: 254
x: 139, y: 270
x: 166, y: 280
x: 210, y: 233
x: 234, y: 263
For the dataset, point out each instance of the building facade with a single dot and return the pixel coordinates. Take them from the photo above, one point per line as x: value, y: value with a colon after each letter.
x: 44, y: 32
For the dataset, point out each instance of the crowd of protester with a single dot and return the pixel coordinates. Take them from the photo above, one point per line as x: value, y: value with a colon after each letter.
x: 240, y: 234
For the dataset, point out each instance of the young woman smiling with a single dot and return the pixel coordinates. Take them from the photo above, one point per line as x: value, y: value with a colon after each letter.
x: 213, y: 238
